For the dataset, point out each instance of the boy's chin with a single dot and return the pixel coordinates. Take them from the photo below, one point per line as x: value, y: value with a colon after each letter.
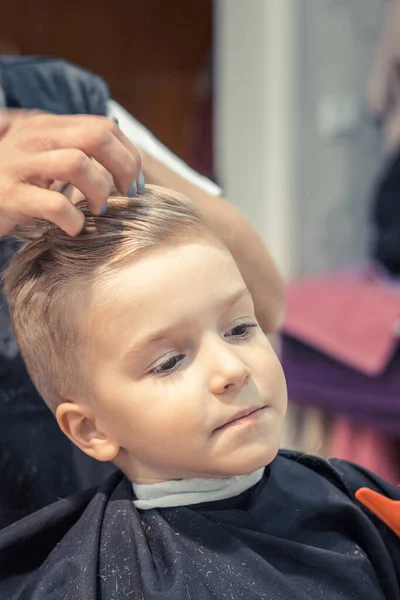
x: 249, y: 463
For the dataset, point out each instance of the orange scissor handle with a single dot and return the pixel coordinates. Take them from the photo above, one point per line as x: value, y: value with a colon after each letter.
x: 386, y: 509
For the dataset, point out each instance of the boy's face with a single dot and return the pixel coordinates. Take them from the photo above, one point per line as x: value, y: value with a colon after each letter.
x: 178, y: 355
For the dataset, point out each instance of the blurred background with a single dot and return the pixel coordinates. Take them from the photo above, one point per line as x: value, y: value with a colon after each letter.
x: 293, y: 108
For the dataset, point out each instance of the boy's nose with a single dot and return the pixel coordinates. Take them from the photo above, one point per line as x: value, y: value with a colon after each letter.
x: 229, y: 372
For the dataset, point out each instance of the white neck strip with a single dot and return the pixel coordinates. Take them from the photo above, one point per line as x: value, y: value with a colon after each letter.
x: 184, y: 492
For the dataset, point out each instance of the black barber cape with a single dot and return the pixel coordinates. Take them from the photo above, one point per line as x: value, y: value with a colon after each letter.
x: 297, y: 535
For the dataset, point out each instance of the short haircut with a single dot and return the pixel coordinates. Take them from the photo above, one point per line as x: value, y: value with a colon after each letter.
x: 46, y: 279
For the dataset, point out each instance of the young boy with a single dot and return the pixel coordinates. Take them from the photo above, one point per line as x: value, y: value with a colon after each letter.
x: 141, y: 337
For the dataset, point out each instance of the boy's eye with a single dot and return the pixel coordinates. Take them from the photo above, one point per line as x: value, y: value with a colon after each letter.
x: 242, y: 331
x: 169, y: 365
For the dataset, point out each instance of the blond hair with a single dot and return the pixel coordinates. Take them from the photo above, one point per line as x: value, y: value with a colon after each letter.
x: 46, y: 280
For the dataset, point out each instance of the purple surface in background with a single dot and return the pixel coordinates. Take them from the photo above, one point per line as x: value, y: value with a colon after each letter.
x: 314, y: 379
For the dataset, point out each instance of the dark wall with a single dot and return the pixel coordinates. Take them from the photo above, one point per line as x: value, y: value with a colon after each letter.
x: 149, y: 51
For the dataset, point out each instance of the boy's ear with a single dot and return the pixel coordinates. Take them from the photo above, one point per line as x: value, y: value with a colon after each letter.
x: 78, y: 423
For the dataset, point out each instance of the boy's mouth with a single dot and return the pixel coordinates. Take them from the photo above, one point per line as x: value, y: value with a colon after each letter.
x: 247, y: 415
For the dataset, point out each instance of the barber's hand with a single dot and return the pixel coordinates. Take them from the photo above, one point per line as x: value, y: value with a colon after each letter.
x: 37, y: 149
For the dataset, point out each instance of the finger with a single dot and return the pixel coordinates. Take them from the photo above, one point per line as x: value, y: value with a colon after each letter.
x: 134, y: 151
x: 38, y: 203
x: 112, y: 149
x: 7, y: 224
x: 13, y: 116
x: 74, y: 167
x: 96, y: 136
x: 73, y: 194
x: 7, y: 117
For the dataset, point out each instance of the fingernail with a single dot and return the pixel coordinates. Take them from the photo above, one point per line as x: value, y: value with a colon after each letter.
x: 103, y: 210
x: 141, y: 183
x: 132, y: 190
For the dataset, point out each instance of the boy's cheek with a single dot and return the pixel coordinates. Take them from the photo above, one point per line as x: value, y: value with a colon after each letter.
x: 266, y: 364
x: 269, y: 377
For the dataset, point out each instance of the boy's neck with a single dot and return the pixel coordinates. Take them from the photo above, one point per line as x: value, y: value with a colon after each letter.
x: 185, y: 492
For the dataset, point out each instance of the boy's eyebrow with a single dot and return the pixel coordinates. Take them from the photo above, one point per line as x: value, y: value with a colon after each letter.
x: 164, y: 334
x: 152, y: 339
x: 241, y: 294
